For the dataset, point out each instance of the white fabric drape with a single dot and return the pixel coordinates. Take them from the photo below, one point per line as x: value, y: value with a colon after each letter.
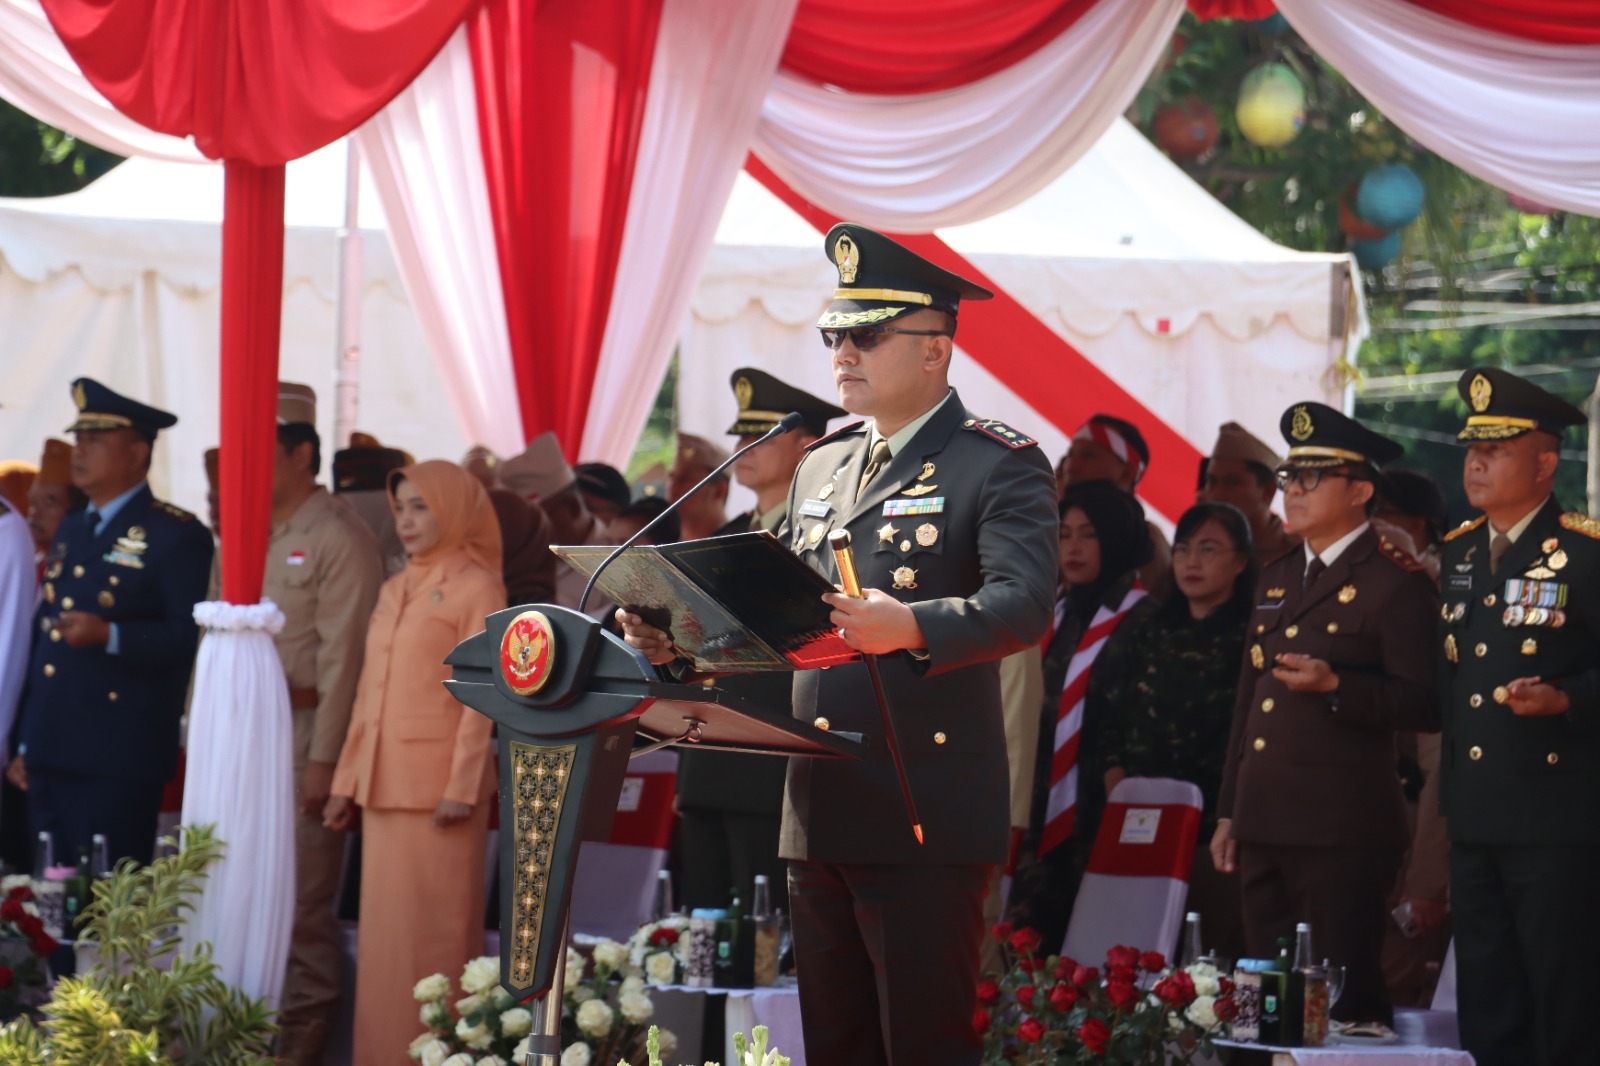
x: 426, y: 164
x: 914, y: 163
x: 17, y: 584
x: 1520, y: 114
x: 712, y: 63
x: 38, y: 76
x: 240, y: 732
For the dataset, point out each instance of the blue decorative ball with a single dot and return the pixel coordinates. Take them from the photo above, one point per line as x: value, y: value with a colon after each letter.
x: 1370, y: 255
x: 1390, y: 196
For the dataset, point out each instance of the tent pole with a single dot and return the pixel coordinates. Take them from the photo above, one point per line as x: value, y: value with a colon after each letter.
x: 347, y: 352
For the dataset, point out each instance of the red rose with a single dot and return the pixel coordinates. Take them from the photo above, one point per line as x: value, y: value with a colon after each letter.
x: 1176, y: 990
x: 1030, y: 1031
x: 1225, y: 986
x: 1121, y: 994
x: 1030, y: 964
x: 22, y: 894
x: 1126, y: 974
x: 1094, y: 1033
x: 1122, y: 956
x: 1002, y: 931
x: 1025, y: 997
x: 1152, y: 962
x: 43, y: 945
x: 1063, y: 996
x: 988, y: 993
x: 1025, y: 941
x: 29, y: 925
x: 664, y: 938
x: 1064, y: 968
x: 1084, y: 976
x: 1226, y: 1009
x: 980, y: 1021
x: 11, y: 910
x: 6, y: 976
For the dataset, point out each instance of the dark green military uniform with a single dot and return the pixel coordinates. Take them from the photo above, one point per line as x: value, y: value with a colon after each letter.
x: 959, y: 524
x: 731, y: 803
x: 1310, y: 783
x: 1522, y: 794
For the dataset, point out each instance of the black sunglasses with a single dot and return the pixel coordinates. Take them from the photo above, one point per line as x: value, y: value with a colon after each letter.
x: 866, y: 338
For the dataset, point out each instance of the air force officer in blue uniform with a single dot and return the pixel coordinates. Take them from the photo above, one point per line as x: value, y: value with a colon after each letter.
x: 114, y: 640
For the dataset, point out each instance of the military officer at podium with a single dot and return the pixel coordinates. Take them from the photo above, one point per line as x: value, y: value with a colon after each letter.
x: 730, y: 804
x: 953, y: 521
x: 1520, y: 645
x: 114, y: 640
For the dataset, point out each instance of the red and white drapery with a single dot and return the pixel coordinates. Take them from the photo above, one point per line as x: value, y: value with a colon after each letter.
x: 554, y: 178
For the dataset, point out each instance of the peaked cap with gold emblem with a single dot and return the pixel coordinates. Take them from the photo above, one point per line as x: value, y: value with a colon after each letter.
x: 764, y: 400
x: 881, y: 280
x: 1319, y: 436
x: 101, y: 408
x: 1502, y: 406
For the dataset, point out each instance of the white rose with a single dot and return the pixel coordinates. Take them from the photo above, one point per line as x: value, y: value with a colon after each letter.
x: 575, y: 967
x: 594, y: 1018
x: 610, y: 955
x: 476, y: 1036
x: 481, y: 974
x: 669, y: 1043
x: 632, y: 983
x: 1206, y: 978
x: 582, y: 994
x: 435, y: 1053
x: 461, y: 1059
x: 466, y: 1006
x: 435, y: 1015
x: 635, y: 1006
x: 577, y: 1054
x: 499, y: 998
x: 681, y: 952
x: 519, y: 1054
x: 11, y: 881
x: 429, y: 988
x: 1203, y: 1012
x: 660, y: 968
x: 491, y: 1060
x: 415, y: 1050
x: 516, y: 1021
x: 32, y: 908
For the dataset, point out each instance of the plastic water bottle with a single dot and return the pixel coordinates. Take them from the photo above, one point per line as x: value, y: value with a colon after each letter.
x: 1192, y: 951
x: 663, y: 904
x: 44, y: 855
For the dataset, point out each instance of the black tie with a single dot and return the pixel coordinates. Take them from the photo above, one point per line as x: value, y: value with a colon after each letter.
x: 1313, y: 571
x: 94, y: 523
x: 877, y: 461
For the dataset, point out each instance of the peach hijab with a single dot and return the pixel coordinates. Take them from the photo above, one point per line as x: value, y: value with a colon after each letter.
x: 467, y: 523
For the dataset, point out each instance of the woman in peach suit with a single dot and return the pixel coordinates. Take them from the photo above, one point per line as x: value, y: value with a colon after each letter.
x: 418, y: 763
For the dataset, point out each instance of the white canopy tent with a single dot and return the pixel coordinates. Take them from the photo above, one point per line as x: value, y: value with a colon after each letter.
x: 1137, y: 267
x: 1172, y: 295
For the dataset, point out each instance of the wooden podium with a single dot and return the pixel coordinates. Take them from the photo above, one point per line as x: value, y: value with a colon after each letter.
x: 573, y: 703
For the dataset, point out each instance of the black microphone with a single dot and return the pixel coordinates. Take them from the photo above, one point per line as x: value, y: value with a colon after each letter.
x: 792, y: 420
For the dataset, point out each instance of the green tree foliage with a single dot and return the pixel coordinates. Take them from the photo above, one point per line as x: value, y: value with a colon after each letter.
x: 145, y: 1002
x: 40, y: 160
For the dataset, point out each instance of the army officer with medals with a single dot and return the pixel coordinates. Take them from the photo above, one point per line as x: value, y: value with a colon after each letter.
x: 1338, y: 659
x: 952, y: 518
x: 115, y: 639
x: 1520, y: 641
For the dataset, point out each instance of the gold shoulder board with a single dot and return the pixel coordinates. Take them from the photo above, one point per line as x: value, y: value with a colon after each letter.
x: 1579, y: 522
x: 1466, y: 527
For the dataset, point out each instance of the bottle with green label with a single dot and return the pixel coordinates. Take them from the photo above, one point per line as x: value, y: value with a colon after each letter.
x: 78, y: 893
x: 734, y: 965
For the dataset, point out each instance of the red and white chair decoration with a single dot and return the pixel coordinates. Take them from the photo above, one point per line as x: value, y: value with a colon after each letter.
x: 1134, y: 890
x: 615, y: 884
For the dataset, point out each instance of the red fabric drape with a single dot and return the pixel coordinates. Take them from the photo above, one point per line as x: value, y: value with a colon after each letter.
x: 1034, y: 361
x: 1551, y: 21
x: 918, y: 46
x: 1249, y: 10
x: 561, y: 88
x: 264, y: 81
x: 252, y: 295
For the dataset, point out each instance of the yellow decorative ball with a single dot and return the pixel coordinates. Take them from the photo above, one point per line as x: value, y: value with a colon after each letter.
x: 1272, y: 106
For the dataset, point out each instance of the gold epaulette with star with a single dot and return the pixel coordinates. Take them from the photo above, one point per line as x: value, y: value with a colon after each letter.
x: 1399, y: 556
x: 1466, y: 527
x: 999, y: 431
x: 836, y: 433
x: 1579, y: 522
x: 174, y: 510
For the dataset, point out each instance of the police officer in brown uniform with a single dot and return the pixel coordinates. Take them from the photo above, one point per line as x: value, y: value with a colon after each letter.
x: 323, y: 570
x: 1338, y: 659
x: 1521, y: 761
x: 952, y: 518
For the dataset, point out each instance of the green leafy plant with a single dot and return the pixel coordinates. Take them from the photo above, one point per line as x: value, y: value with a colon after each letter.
x: 145, y: 1002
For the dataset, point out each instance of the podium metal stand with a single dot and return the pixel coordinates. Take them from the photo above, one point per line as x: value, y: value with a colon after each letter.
x: 572, y: 702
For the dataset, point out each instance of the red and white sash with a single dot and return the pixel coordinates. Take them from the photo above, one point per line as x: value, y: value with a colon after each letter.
x: 1062, y: 809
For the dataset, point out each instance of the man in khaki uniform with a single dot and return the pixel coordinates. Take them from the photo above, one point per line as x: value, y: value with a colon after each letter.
x: 324, y: 567
x: 1240, y: 471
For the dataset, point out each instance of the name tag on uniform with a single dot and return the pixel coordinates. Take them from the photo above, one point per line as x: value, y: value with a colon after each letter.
x: 899, y: 508
x: 1461, y: 581
x: 816, y: 508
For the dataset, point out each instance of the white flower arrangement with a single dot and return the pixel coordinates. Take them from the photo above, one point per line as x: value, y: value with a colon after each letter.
x: 461, y: 1059
x: 660, y: 950
x: 481, y: 974
x: 516, y: 1022
x: 594, y: 1017
x: 430, y: 988
x: 610, y: 956
x: 635, y: 1007
x: 577, y: 1054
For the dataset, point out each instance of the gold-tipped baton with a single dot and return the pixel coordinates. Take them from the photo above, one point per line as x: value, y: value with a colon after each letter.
x: 839, y: 541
